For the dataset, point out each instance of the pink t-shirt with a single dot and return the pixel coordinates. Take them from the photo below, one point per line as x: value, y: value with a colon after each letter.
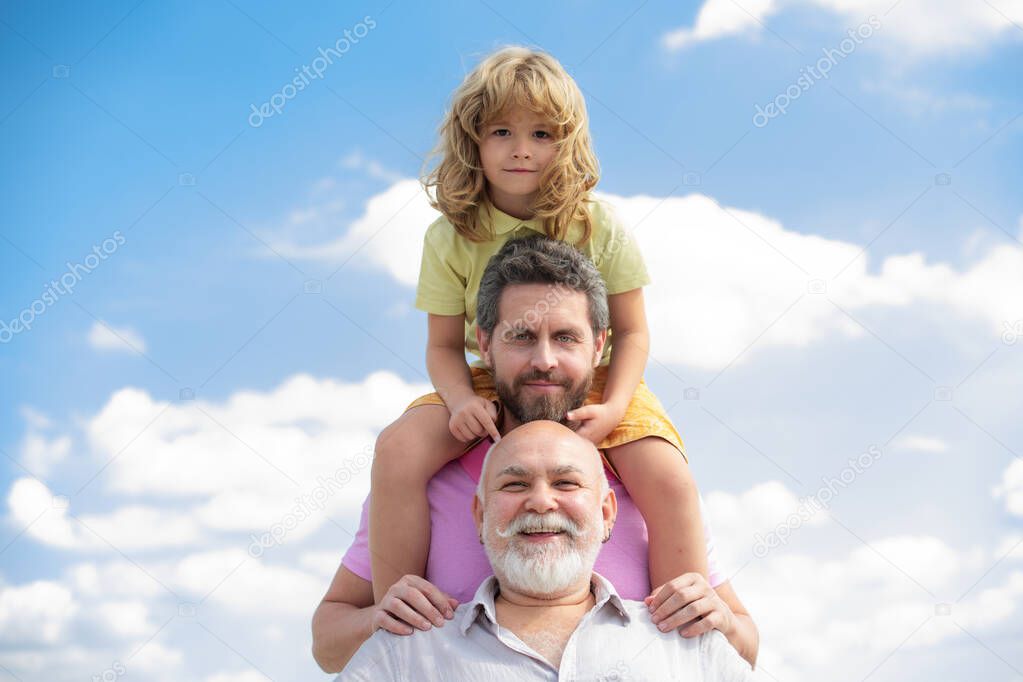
x: 457, y: 563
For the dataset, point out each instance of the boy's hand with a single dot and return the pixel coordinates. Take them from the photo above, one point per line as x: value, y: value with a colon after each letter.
x: 598, y: 420
x: 691, y: 605
x: 473, y: 418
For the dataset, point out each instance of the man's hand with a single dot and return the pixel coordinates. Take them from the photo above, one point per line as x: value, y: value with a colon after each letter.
x: 597, y: 420
x: 413, y: 602
x: 473, y: 418
x: 690, y: 604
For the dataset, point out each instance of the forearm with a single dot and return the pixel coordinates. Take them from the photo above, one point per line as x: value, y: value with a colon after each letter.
x: 745, y: 637
x: 449, y: 372
x: 339, y: 630
x: 628, y: 361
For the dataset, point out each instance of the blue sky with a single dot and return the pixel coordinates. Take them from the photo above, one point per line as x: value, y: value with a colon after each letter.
x: 133, y: 119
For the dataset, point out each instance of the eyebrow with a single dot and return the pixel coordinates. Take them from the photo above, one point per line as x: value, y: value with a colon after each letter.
x: 516, y: 470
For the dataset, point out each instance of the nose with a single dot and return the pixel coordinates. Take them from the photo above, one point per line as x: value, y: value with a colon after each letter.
x: 543, y: 356
x: 521, y: 150
x: 541, y: 499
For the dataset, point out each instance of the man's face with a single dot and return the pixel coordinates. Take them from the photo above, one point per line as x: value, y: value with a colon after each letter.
x: 543, y: 351
x: 544, y: 510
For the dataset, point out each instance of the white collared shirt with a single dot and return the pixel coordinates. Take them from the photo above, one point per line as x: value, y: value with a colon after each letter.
x: 615, y: 641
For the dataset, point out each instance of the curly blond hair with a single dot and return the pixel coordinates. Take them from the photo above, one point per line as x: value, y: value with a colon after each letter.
x: 515, y: 76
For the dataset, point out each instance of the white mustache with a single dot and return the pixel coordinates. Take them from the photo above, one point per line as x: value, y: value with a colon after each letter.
x: 551, y: 522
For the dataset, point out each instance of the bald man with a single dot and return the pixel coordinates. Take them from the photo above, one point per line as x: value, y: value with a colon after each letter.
x: 542, y: 509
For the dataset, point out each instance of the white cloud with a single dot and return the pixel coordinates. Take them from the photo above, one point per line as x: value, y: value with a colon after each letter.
x: 1011, y: 488
x: 387, y: 236
x: 107, y: 337
x: 295, y: 592
x: 154, y: 657
x: 719, y: 19
x: 40, y: 454
x: 46, y: 519
x: 40, y: 451
x: 922, y: 444
x: 36, y: 420
x: 920, y: 102
x: 864, y: 598
x: 112, y: 579
x: 374, y: 169
x: 738, y: 272
x: 38, y: 612
x: 124, y: 618
x: 912, y: 27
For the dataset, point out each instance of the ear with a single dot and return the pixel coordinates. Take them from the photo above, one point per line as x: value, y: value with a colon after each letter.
x: 598, y: 346
x: 483, y: 341
x: 609, y: 508
x: 477, y: 513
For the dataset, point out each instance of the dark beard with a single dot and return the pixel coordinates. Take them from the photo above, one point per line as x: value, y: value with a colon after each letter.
x: 545, y: 407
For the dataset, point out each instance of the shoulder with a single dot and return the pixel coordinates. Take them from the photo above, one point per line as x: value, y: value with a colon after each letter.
x: 603, y: 215
x: 440, y: 231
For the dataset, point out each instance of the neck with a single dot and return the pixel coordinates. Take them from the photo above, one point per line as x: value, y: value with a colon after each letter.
x: 516, y: 206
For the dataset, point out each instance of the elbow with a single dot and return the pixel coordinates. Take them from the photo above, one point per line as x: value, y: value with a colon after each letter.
x: 324, y: 653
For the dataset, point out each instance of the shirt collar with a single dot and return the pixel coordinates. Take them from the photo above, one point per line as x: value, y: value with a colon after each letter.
x: 603, y: 591
x: 502, y: 223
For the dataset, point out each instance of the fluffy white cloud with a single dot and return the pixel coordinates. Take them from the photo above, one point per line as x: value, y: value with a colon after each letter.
x: 387, y: 236
x: 38, y: 612
x: 108, y: 337
x: 252, y: 580
x: 719, y: 19
x: 124, y: 618
x: 916, y: 27
x: 1011, y: 488
x: 46, y: 518
x: 724, y: 276
x: 40, y: 450
x: 861, y: 598
x: 40, y: 454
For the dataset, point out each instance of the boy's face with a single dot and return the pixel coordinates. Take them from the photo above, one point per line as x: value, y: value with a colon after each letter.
x: 514, y: 151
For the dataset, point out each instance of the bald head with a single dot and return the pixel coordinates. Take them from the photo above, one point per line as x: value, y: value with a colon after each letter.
x: 556, y: 445
x: 543, y: 507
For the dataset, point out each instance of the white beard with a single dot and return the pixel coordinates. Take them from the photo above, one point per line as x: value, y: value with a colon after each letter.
x: 550, y: 569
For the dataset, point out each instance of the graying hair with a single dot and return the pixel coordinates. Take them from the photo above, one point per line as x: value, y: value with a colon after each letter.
x: 541, y: 260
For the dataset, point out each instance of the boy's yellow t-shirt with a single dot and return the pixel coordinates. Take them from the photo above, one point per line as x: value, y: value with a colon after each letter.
x: 452, y: 266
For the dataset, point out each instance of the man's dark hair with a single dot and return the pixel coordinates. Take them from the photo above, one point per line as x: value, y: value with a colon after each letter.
x: 541, y: 260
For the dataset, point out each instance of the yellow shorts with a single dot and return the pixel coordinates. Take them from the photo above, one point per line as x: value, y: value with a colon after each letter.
x: 643, y: 417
